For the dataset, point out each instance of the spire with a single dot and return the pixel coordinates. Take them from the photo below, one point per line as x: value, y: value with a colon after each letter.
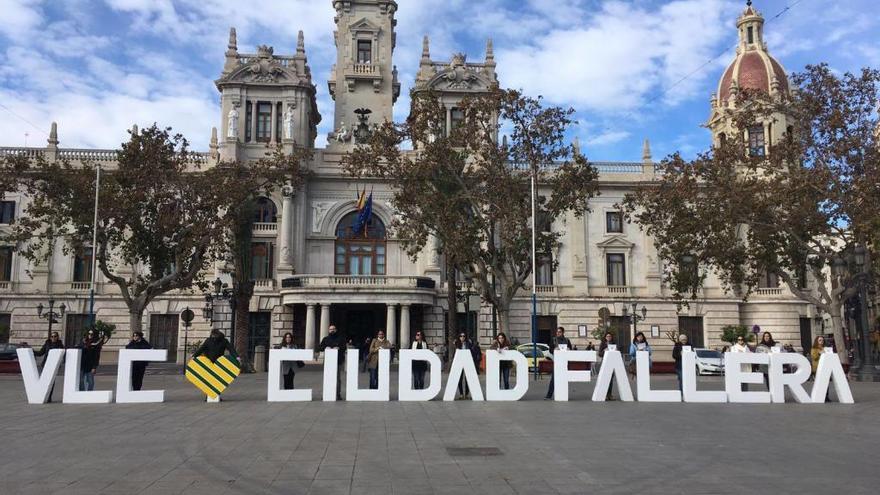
x: 751, y: 28
x: 134, y: 130
x: 300, y: 42
x: 214, y: 146
x: 426, y: 48
x: 576, y: 146
x: 233, y: 40
x: 646, y: 151
x: 53, y: 135
x: 490, y: 52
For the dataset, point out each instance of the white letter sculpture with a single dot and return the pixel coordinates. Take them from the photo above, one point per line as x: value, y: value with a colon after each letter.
x: 794, y: 381
x: 463, y: 364
x: 124, y: 393
x: 331, y: 359
x: 353, y: 393
x: 562, y: 376
x: 734, y: 377
x: 405, y: 390
x: 689, y: 382
x: 612, y: 368
x: 37, y: 386
x: 72, y: 393
x: 276, y: 357
x: 643, y: 382
x: 830, y: 368
x: 493, y: 375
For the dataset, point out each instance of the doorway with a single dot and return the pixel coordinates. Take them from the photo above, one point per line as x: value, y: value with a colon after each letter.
x: 546, y: 329
x: 692, y: 326
x: 622, y: 330
x: 163, y: 334
x: 357, y: 322
x: 258, y: 333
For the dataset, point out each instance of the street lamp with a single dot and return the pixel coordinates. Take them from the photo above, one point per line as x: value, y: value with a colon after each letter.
x: 187, y: 316
x: 867, y: 369
x: 51, y: 315
x: 222, y: 292
x: 466, y: 299
x: 635, y: 317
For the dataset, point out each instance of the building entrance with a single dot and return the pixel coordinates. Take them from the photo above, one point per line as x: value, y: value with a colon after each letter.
x: 358, y: 321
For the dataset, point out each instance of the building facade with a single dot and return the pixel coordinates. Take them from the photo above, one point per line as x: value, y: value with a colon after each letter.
x: 310, y: 271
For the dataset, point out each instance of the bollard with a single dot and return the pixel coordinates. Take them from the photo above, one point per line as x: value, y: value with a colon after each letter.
x: 260, y: 359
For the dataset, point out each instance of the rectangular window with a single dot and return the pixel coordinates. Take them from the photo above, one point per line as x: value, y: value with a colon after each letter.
x: 278, y: 117
x: 264, y: 122
x: 248, y: 121
x: 261, y: 260
x: 616, y: 270
x: 5, y: 327
x: 769, y: 280
x: 756, y: 140
x: 364, y: 52
x: 545, y: 269
x: 6, y: 264
x: 751, y: 34
x: 614, y: 222
x: 82, y: 265
x: 7, y: 212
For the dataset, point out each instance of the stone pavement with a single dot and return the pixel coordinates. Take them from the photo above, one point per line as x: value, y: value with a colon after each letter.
x: 247, y: 445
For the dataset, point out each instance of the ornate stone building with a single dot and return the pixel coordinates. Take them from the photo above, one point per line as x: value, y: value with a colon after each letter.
x: 311, y: 272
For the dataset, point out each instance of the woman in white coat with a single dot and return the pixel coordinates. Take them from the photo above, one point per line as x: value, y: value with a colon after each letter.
x: 741, y: 346
x: 419, y: 367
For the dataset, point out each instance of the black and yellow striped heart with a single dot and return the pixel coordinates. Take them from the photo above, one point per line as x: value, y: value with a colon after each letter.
x: 212, y: 378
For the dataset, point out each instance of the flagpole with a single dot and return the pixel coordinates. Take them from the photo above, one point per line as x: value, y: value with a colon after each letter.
x: 94, y: 247
x: 534, y: 280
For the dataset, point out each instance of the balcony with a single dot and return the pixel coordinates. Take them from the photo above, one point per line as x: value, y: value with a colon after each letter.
x: 80, y: 286
x: 5, y: 285
x: 547, y: 290
x: 264, y: 285
x: 348, y: 289
x: 265, y: 228
x: 769, y: 291
x: 618, y: 290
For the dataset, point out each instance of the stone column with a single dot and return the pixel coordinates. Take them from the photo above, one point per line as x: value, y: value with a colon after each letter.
x: 448, y: 120
x: 391, y: 325
x: 254, y: 105
x: 285, y: 257
x: 325, y: 319
x: 273, y: 125
x: 310, y: 326
x: 404, y: 326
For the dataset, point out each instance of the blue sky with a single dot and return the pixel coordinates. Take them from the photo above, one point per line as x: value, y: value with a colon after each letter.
x: 99, y: 66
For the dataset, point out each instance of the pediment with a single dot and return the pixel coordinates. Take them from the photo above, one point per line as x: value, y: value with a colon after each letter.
x: 263, y: 70
x: 364, y: 25
x: 459, y: 78
x: 616, y: 242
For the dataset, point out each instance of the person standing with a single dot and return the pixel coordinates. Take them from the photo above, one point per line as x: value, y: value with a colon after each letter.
x: 463, y: 342
x: 766, y: 346
x: 741, y: 346
x: 559, y: 342
x: 419, y: 367
x: 288, y: 368
x: 607, y: 340
x: 53, y: 342
x: 676, y: 356
x: 816, y: 353
x: 138, y: 368
x: 380, y: 342
x: 91, y: 357
x: 639, y: 344
x: 334, y: 340
x: 502, y: 344
x: 363, y: 350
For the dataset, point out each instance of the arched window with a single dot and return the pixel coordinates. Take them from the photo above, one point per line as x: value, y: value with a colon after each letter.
x: 756, y: 140
x: 361, y: 253
x: 265, y: 211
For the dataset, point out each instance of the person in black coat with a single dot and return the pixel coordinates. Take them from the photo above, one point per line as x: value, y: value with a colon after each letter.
x: 53, y: 342
x: 676, y: 356
x: 560, y: 341
x: 334, y: 340
x: 91, y: 357
x: 463, y: 342
x: 215, y: 346
x: 138, y: 368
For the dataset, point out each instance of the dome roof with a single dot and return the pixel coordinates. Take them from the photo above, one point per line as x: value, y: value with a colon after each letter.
x: 753, y: 67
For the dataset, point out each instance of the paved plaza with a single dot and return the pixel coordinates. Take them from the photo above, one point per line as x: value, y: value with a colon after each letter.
x: 247, y: 445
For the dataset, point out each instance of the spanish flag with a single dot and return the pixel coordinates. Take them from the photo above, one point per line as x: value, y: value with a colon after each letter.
x: 365, y: 213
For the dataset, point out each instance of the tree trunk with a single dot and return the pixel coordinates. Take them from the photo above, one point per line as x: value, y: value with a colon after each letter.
x: 242, y: 330
x: 837, y: 331
x: 135, y: 320
x: 504, y: 320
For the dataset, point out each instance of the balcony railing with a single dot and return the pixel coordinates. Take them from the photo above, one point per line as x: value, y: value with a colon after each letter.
x: 546, y: 289
x: 365, y: 69
x: 265, y: 227
x: 264, y: 284
x: 80, y: 286
x: 5, y: 285
x: 357, y: 281
x: 618, y: 290
x: 769, y: 291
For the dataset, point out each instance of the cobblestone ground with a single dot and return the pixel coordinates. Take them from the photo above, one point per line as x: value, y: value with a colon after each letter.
x: 246, y: 445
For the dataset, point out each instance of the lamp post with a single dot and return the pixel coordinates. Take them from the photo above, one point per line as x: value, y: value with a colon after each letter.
x: 465, y: 297
x: 222, y: 292
x: 187, y: 316
x: 51, y: 315
x: 634, y: 317
x: 867, y: 368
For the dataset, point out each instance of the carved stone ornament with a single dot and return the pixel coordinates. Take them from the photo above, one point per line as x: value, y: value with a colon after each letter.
x: 264, y: 68
x: 458, y: 76
x: 319, y: 211
x: 341, y: 135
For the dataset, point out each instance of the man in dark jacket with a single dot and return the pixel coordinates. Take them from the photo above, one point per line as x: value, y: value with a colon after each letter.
x: 560, y: 341
x: 676, y: 356
x: 335, y: 340
x: 215, y: 346
x: 91, y: 357
x: 138, y: 368
x: 53, y: 342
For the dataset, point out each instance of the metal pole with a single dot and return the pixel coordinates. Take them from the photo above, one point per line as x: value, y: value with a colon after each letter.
x: 534, y: 281
x: 94, y: 247
x: 185, y: 345
x: 50, y: 315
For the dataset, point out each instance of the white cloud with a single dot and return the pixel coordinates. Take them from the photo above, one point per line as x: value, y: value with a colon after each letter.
x: 19, y: 17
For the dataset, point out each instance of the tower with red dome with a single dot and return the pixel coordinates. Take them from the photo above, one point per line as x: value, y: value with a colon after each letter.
x: 752, y: 68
